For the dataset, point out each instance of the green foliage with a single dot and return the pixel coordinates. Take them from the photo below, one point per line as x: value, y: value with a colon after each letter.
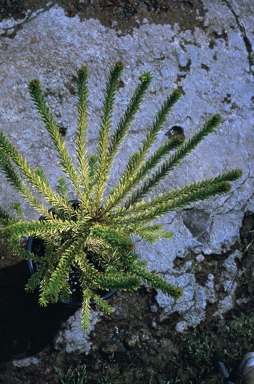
x: 77, y: 375
x: 95, y: 234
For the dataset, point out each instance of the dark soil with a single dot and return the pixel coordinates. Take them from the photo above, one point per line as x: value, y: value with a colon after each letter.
x: 122, y: 15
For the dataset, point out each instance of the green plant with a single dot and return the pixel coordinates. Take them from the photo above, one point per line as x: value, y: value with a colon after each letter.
x: 75, y: 375
x: 96, y: 234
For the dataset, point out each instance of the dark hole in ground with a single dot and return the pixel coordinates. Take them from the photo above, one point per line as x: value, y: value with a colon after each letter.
x: 25, y: 327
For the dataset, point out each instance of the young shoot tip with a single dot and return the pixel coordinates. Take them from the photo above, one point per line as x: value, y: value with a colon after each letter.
x: 119, y: 64
x: 146, y: 77
x: 238, y: 173
x: 34, y: 84
x: 178, y: 92
x: 217, y: 119
x: 82, y: 70
x: 225, y: 187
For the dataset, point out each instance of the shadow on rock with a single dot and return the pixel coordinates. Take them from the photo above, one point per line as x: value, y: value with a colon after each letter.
x: 25, y: 327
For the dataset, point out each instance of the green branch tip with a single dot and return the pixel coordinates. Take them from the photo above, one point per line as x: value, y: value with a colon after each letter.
x: 177, y: 93
x: 34, y: 85
x: 146, y: 77
x: 82, y: 72
x: 177, y: 292
x: 119, y: 65
x: 216, y: 119
x: 236, y: 174
x: 224, y: 187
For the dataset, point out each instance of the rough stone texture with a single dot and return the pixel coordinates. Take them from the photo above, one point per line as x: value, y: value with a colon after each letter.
x: 214, y: 67
x: 25, y: 362
x: 71, y: 338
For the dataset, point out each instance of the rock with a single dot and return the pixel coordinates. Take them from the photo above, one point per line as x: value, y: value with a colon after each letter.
x: 25, y: 362
x: 132, y: 341
x: 200, y: 258
x: 210, y: 277
x: 153, y: 309
x: 60, y: 358
x: 72, y: 338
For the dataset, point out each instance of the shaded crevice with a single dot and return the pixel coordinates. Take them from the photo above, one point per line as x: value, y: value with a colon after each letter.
x: 20, y: 16
x: 242, y: 29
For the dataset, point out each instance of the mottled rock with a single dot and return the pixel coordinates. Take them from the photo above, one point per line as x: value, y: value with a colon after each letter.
x: 72, y: 337
x: 25, y: 362
x: 153, y: 309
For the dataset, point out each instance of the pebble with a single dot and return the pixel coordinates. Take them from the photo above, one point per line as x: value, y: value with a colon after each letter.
x: 60, y: 358
x: 153, y: 309
x: 132, y: 341
x: 200, y: 258
x: 20, y: 363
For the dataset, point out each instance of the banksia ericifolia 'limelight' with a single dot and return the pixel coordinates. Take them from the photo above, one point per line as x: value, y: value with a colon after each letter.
x: 94, y: 234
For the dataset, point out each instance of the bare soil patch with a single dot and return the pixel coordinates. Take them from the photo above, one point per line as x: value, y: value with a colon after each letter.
x: 122, y: 15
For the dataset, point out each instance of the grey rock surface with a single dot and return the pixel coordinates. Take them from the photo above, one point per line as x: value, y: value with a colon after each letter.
x: 25, y: 362
x: 214, y: 67
x: 71, y: 337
